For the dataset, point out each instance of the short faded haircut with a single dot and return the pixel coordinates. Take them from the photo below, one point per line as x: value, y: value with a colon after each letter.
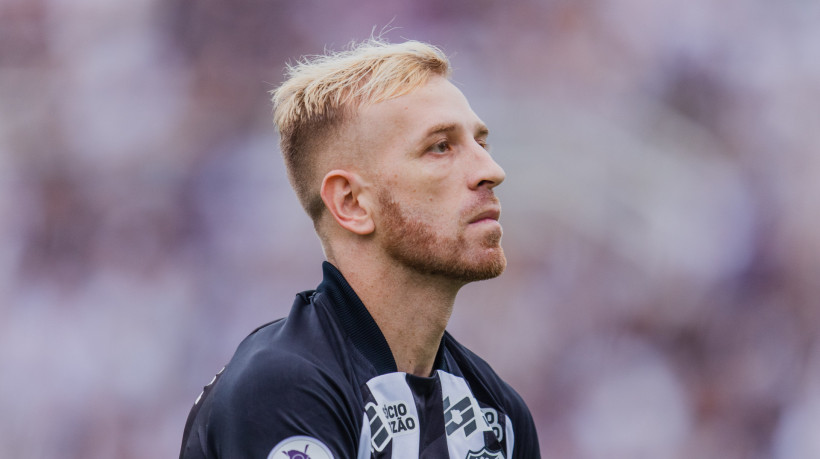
x: 322, y: 92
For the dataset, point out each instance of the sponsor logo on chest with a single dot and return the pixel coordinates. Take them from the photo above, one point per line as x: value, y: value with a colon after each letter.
x: 389, y: 420
x: 398, y: 418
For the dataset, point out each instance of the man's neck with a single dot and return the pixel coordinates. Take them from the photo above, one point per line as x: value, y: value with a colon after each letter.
x: 411, y: 310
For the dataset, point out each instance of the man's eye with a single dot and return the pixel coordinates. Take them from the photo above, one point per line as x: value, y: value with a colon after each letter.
x: 441, y: 147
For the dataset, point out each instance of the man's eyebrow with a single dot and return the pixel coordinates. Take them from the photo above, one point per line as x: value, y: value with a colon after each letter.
x: 441, y: 128
x: 481, y: 130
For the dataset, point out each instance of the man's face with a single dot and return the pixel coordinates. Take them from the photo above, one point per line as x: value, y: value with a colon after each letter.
x: 434, y: 180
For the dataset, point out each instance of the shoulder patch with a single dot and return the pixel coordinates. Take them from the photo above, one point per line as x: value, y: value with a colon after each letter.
x: 300, y: 447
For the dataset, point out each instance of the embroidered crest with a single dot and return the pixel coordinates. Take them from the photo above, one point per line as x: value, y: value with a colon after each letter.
x: 484, y: 454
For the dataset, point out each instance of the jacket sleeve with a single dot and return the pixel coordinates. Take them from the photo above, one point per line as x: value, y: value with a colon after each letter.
x: 260, y: 404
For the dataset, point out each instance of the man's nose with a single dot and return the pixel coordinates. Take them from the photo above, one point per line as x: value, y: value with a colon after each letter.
x: 488, y: 173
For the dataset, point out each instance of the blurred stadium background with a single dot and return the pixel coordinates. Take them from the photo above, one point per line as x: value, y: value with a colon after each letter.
x: 661, y: 214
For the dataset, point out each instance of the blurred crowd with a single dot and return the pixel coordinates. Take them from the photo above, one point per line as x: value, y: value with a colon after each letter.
x: 660, y: 213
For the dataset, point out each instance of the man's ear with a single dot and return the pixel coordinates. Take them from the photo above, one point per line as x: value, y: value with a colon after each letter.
x: 346, y: 199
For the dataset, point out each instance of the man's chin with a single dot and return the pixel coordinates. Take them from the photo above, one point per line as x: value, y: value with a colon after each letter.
x: 489, y: 265
x: 487, y: 268
x: 494, y: 268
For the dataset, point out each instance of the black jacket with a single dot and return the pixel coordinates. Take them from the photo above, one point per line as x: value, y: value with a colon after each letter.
x: 322, y: 383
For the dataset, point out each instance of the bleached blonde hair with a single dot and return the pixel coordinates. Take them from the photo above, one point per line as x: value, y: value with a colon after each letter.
x: 322, y: 92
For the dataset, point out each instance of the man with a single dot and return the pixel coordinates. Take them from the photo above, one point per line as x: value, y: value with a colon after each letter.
x: 391, y: 164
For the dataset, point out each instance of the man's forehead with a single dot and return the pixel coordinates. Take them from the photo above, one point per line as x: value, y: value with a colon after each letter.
x: 436, y: 106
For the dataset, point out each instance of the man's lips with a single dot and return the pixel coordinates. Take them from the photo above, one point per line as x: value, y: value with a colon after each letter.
x: 487, y: 215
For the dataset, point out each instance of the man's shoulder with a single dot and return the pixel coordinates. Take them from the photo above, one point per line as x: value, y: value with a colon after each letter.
x: 297, y: 349
x: 285, y: 363
x: 269, y: 355
x: 287, y: 378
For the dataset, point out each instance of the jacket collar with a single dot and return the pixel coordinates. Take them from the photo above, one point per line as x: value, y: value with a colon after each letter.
x: 357, y: 322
